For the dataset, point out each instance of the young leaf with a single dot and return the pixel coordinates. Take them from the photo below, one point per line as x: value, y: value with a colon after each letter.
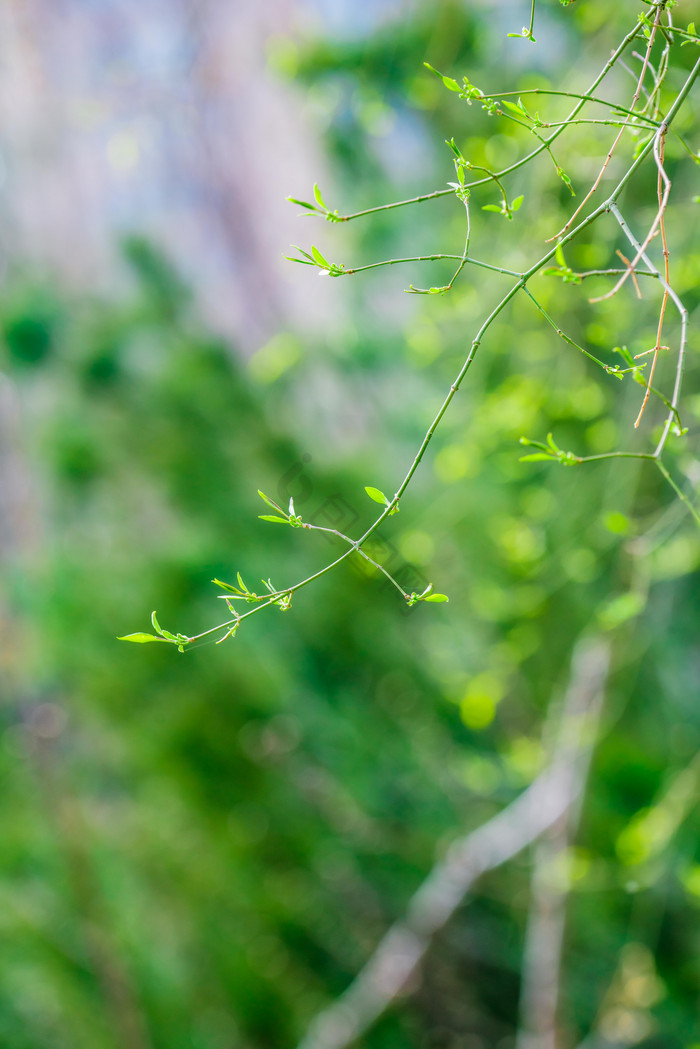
x: 517, y: 202
x: 142, y: 639
x: 304, y: 253
x: 226, y: 586
x: 533, y: 444
x: 302, y: 203
x: 436, y: 597
x: 318, y: 198
x: 511, y: 105
x: 449, y: 83
x: 270, y: 502
x: 319, y: 259
x: 379, y: 497
x: 566, y: 180
x: 272, y: 517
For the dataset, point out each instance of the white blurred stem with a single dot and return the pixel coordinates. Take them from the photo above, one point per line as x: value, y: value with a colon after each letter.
x: 544, y: 939
x: 543, y: 806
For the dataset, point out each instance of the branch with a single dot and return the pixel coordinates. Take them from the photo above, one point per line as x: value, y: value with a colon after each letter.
x: 544, y: 937
x: 535, y: 811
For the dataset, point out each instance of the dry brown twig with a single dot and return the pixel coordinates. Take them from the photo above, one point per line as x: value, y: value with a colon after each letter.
x: 632, y: 272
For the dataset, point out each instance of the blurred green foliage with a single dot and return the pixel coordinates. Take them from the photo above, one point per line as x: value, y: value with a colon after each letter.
x: 201, y: 851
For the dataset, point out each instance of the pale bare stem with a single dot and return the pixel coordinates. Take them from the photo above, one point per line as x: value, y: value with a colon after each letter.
x: 608, y: 158
x: 631, y: 272
x: 659, y: 138
x: 660, y: 194
x: 398, y: 954
x: 683, y: 340
x: 544, y: 937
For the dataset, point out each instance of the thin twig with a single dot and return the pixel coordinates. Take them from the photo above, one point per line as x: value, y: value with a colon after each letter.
x: 682, y: 343
x: 663, y: 202
x: 662, y: 311
x: 608, y: 158
x: 632, y: 272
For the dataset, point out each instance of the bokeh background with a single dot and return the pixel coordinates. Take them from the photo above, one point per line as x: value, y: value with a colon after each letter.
x: 201, y: 851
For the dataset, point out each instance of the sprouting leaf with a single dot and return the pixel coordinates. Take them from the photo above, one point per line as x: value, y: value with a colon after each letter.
x: 226, y: 586
x: 533, y: 444
x: 142, y: 639
x: 318, y: 198
x: 319, y: 259
x: 377, y: 495
x: 536, y: 457
x: 270, y: 502
x: 304, y: 253
x: 303, y: 262
x: 302, y: 203
x: 272, y: 517
x: 158, y: 627
x: 436, y: 597
x: 448, y: 81
x: 511, y: 105
x: 566, y: 180
x: 493, y: 207
x: 625, y: 354
x: 517, y: 202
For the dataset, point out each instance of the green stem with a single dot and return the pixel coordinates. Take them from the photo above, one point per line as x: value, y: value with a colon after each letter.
x: 616, y: 455
x: 572, y: 94
x: 679, y: 492
x: 562, y: 335
x: 607, y: 206
x: 356, y: 548
x: 611, y: 273
x: 431, y: 258
x: 585, y: 120
x: 532, y: 20
x: 518, y: 163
